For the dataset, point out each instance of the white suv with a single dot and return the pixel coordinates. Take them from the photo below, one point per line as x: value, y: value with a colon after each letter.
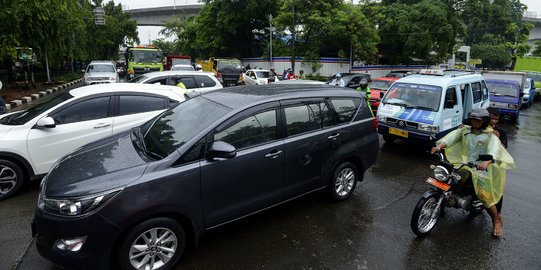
x: 98, y: 72
x: 196, y: 82
x: 31, y: 141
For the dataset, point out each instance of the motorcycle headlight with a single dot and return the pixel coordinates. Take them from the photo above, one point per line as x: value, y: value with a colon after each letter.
x: 440, y: 173
x: 75, y: 207
x: 429, y: 128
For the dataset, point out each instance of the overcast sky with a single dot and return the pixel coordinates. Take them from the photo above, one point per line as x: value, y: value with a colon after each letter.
x: 147, y: 33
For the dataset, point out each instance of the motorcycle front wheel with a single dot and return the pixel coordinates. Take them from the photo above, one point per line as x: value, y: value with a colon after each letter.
x: 426, y: 215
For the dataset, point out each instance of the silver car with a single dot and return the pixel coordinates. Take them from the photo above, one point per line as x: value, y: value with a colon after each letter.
x: 98, y: 72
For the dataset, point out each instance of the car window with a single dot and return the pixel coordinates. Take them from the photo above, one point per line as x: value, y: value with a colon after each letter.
x: 204, y: 81
x: 307, y: 117
x: 195, y: 153
x: 485, y: 90
x: 189, y: 82
x: 252, y: 130
x: 101, y: 68
x: 86, y: 110
x: 159, y: 80
x: 345, y: 108
x: 450, y: 95
x: 138, y: 104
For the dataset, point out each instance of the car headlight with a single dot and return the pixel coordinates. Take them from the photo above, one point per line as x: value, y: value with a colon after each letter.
x: 429, y: 128
x: 440, y: 173
x: 75, y: 207
x: 382, y: 119
x: 512, y: 106
x: 112, y: 78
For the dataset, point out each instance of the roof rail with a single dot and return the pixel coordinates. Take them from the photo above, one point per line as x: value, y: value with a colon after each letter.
x: 453, y: 72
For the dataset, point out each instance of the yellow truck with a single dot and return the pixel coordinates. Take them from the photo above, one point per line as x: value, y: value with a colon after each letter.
x: 227, y: 70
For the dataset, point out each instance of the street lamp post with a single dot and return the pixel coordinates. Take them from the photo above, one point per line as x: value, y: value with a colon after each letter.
x: 262, y: 31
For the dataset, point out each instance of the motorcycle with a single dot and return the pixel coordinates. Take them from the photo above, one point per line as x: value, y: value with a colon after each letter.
x: 446, y: 190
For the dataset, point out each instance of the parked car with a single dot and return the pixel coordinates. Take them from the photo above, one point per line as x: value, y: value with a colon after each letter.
x: 378, y: 87
x: 528, y: 93
x: 196, y: 82
x: 98, y: 72
x: 257, y: 77
x: 212, y: 159
x: 31, y: 141
x: 354, y: 80
x: 506, y: 95
x: 299, y: 82
x: 182, y: 68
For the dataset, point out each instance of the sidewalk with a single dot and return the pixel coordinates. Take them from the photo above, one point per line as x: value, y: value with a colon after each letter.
x: 18, y: 102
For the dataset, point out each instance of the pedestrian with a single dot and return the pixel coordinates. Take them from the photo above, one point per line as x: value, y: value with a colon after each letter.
x: 338, y: 80
x: 467, y: 144
x: 248, y: 67
x: 494, y: 119
x: 301, y: 75
x: 3, y: 108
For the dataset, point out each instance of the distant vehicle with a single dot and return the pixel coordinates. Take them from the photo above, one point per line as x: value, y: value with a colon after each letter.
x: 528, y: 92
x: 172, y: 60
x: 367, y: 76
x: 228, y: 70
x: 400, y: 73
x: 98, y: 72
x: 257, y: 77
x: 378, y: 87
x: 536, y: 77
x: 353, y: 81
x: 143, y: 59
x: 33, y: 140
x: 506, y: 95
x: 140, y: 199
x: 182, y: 67
x: 195, y: 82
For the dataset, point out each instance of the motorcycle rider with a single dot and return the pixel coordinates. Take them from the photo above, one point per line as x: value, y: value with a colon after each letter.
x: 466, y: 144
x: 338, y: 80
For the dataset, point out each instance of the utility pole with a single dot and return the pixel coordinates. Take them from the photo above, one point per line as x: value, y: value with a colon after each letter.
x: 293, y: 41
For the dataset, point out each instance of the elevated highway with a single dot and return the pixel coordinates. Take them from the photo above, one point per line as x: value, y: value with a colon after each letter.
x: 157, y: 16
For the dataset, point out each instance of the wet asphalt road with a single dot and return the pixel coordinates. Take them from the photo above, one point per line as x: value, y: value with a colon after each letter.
x: 369, y: 231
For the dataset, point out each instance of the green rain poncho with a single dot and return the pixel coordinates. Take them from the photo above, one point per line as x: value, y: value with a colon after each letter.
x: 463, y: 146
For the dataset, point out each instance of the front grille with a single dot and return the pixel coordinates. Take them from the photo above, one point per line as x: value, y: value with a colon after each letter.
x: 402, y: 123
x: 143, y: 70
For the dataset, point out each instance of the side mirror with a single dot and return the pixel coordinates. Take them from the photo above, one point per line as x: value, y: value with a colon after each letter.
x: 221, y: 149
x: 46, y: 122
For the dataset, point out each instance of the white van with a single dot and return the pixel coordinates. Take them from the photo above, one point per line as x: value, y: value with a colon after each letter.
x: 423, y: 108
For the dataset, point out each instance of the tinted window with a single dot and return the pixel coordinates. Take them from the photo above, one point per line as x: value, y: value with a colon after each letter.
x: 159, y: 80
x: 345, y: 108
x: 204, y: 81
x: 307, y: 117
x: 253, y: 130
x: 450, y: 95
x: 139, y: 104
x: 476, y: 90
x: 189, y: 82
x: 90, y: 109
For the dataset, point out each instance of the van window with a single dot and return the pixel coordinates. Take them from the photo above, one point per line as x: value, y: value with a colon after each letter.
x: 476, y: 91
x: 306, y: 117
x: 450, y: 97
x: 484, y: 88
x: 204, y: 81
x: 252, y: 130
x: 345, y: 108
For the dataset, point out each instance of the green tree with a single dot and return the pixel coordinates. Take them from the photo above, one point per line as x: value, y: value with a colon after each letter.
x: 410, y: 33
x: 495, y: 56
x: 537, y: 49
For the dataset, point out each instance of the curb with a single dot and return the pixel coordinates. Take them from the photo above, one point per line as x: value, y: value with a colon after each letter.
x: 18, y: 102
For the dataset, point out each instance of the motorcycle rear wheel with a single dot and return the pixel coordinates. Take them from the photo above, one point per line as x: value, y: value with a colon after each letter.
x: 425, y: 215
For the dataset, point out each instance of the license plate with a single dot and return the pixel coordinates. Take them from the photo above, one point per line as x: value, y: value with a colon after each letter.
x: 438, y: 184
x: 398, y: 132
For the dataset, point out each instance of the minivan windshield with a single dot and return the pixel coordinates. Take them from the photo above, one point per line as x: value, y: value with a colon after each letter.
x: 101, y: 68
x: 175, y: 127
x: 415, y: 96
x: 21, y: 118
x: 503, y: 89
x: 229, y: 64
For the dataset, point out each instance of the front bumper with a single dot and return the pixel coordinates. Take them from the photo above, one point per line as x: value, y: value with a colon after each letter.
x: 96, y: 251
x: 91, y: 82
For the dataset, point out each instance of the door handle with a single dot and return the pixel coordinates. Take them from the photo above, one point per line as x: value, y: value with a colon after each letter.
x: 274, y: 154
x: 101, y: 125
x: 333, y: 137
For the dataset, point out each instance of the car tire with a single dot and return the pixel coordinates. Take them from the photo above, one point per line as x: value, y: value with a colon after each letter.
x: 11, y: 178
x: 343, y: 181
x: 139, y: 245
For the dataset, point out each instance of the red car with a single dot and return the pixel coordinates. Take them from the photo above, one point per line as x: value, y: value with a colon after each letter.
x: 378, y: 87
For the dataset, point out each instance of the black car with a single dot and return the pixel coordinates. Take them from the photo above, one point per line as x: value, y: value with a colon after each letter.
x: 354, y: 77
x: 143, y: 196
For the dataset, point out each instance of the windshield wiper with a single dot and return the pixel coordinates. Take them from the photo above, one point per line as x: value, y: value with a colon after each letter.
x: 139, y: 141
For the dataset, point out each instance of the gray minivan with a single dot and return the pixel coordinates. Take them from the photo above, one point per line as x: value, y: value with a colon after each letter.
x: 135, y: 200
